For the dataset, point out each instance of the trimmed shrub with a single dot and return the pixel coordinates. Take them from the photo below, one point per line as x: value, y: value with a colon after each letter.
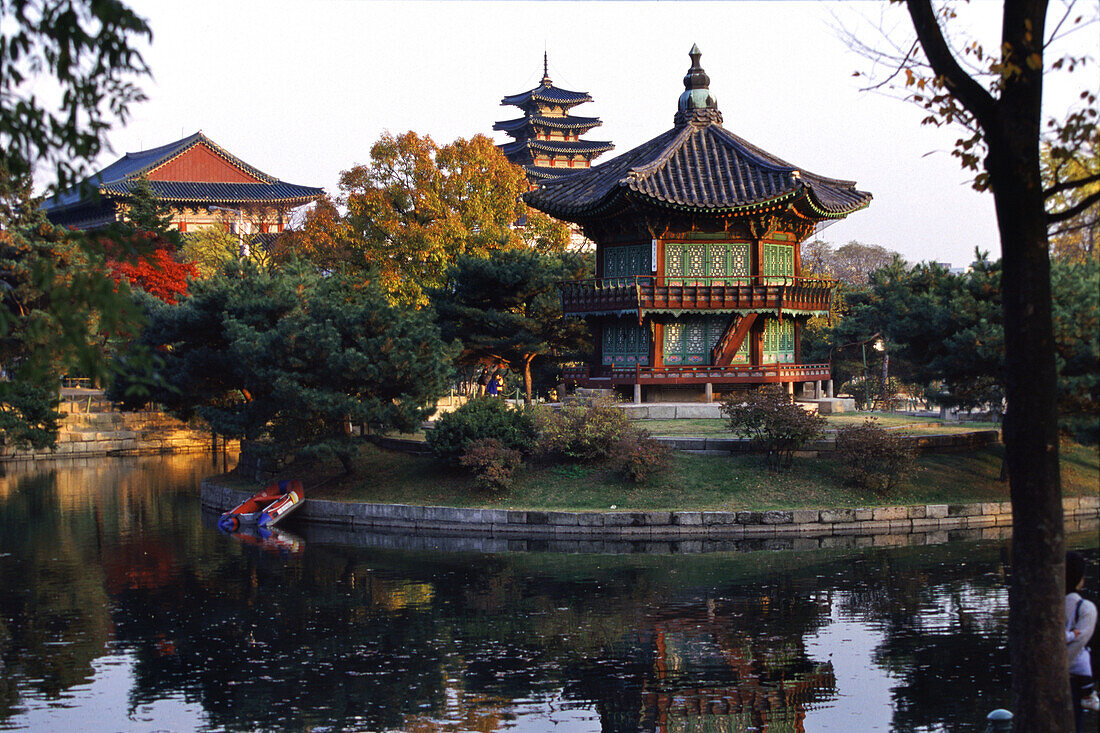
x: 481, y: 419
x: 492, y: 465
x: 640, y: 457
x: 773, y: 422
x: 873, y: 458
x: 586, y: 429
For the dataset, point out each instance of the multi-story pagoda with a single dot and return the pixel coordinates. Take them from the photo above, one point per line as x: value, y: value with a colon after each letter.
x: 547, y: 139
x: 197, y: 178
x: 697, y: 235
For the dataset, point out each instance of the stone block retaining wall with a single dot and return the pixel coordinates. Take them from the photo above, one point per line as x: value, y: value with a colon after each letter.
x: 87, y: 434
x: 930, y: 443
x: 655, y: 525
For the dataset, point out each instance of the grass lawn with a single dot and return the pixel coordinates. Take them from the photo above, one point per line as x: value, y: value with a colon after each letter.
x: 694, y: 482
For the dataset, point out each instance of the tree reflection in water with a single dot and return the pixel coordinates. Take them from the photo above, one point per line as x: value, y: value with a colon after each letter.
x: 113, y: 559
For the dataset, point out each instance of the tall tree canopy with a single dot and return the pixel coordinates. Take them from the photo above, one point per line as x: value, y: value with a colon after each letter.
x: 505, y: 309
x: 87, y: 46
x: 994, y: 96
x: 852, y: 263
x: 291, y: 357
x: 144, y: 249
x: 55, y: 304
x: 416, y: 206
x: 55, y: 296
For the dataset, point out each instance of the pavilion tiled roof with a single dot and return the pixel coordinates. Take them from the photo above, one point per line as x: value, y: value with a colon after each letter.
x: 697, y: 166
x: 117, y: 179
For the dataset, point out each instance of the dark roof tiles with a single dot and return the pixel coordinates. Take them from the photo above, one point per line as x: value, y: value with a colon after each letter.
x: 567, y: 122
x: 556, y: 146
x: 221, y: 192
x: 547, y: 93
x: 697, y: 166
x: 117, y: 178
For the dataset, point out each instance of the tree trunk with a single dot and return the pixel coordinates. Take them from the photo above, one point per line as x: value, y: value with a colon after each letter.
x: 527, y: 378
x: 1040, y: 688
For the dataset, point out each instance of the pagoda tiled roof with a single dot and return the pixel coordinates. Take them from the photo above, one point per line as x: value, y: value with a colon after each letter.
x: 556, y: 146
x: 117, y: 179
x: 548, y: 93
x: 567, y: 122
x: 540, y: 173
x: 698, y: 166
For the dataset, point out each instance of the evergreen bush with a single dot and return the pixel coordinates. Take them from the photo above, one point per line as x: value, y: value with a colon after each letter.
x: 874, y: 458
x: 773, y: 422
x: 481, y: 419
x: 492, y: 465
x: 639, y: 456
x: 585, y: 429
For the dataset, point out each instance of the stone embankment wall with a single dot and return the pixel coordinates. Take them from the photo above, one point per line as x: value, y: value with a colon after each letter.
x: 656, y: 525
x: 88, y: 434
x: 930, y: 443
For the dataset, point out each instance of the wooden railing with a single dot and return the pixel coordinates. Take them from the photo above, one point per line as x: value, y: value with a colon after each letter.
x: 653, y: 292
x: 695, y: 374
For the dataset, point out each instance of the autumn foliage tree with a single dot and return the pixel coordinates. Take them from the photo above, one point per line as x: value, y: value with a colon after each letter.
x: 417, y: 206
x: 157, y: 271
x: 143, y: 250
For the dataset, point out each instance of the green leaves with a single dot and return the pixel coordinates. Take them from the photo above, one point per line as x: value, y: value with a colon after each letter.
x: 87, y: 46
x: 505, y: 309
x: 293, y: 357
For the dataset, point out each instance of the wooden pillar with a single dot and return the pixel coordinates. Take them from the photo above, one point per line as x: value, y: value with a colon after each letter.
x: 790, y: 389
x: 657, y: 348
x: 756, y: 343
x: 798, y: 341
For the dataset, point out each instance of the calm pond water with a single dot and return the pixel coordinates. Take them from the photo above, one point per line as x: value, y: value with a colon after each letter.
x: 123, y: 609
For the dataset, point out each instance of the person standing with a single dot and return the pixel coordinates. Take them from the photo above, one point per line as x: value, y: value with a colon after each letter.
x: 1080, y: 625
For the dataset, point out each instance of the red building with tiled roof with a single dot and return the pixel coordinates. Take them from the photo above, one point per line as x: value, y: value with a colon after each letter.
x: 191, y: 175
x: 698, y: 235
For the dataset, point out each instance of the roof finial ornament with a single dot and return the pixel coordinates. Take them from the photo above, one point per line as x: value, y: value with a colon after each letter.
x: 545, y: 70
x: 697, y: 105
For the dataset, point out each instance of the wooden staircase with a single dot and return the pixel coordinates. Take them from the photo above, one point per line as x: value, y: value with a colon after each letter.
x: 723, y: 352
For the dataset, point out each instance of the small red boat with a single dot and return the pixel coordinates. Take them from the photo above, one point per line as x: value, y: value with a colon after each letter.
x: 266, y: 507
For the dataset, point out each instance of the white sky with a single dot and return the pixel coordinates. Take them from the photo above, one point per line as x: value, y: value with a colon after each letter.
x: 302, y: 89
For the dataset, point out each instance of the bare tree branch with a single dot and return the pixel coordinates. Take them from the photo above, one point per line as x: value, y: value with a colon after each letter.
x: 1075, y: 210
x: 977, y: 100
x: 1064, y: 186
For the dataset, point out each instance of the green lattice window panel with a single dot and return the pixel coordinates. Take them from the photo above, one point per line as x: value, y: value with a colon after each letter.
x: 625, y: 344
x: 626, y: 261
x: 689, y: 264
x: 778, y: 260
x: 691, y: 339
x: 778, y: 341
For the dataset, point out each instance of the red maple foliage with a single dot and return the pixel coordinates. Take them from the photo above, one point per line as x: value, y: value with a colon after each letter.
x: 154, y: 269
